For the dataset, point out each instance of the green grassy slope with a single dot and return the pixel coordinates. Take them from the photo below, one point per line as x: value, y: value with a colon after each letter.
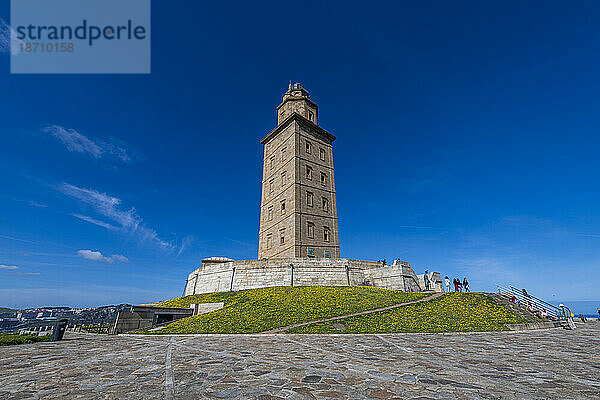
x: 453, y: 312
x: 7, y: 339
x: 259, y: 310
x: 186, y: 301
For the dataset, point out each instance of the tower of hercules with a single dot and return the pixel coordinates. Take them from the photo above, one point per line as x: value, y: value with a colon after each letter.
x: 298, y: 213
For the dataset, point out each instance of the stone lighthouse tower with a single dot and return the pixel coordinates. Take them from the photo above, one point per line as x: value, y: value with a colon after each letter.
x: 298, y: 213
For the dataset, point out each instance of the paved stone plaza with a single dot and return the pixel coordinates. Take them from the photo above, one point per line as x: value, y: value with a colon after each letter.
x: 550, y: 364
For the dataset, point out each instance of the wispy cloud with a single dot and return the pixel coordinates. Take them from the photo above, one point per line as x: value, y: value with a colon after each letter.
x: 8, y: 39
x: 35, y: 204
x: 424, y: 214
x: 185, y: 243
x: 14, y: 270
x: 416, y: 186
x: 526, y: 221
x: 77, y: 142
x: 127, y: 221
x: 417, y: 227
x: 97, y: 256
x: 96, y: 222
x: 17, y: 239
x: 589, y: 235
x: 484, y: 271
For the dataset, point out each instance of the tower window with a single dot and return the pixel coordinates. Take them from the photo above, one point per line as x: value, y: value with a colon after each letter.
x: 309, y: 199
x: 269, y: 240
x: 308, y: 172
x: 282, y: 236
x: 311, y: 116
x: 270, y: 213
x: 323, y: 179
x: 326, y: 234
x: 308, y: 147
x: 310, y: 229
x: 272, y: 162
x: 283, y: 207
x: 271, y: 184
x: 283, y: 179
x: 325, y: 204
x: 283, y: 150
x: 326, y: 254
x: 311, y: 252
x: 322, y: 154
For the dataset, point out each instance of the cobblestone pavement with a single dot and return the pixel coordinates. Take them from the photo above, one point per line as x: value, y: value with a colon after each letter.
x: 551, y: 364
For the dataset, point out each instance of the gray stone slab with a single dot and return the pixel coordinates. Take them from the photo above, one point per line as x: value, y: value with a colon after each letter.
x: 549, y: 364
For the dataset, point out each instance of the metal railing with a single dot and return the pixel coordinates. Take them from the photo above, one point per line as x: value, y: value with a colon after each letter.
x: 41, y: 330
x: 36, y: 330
x: 531, y: 302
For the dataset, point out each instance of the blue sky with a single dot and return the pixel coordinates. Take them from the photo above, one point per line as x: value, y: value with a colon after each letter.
x: 467, y: 144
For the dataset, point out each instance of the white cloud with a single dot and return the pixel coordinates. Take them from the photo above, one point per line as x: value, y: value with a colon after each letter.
x: 8, y: 39
x: 94, y: 256
x: 97, y: 256
x: 127, y: 221
x: 9, y: 267
x: 76, y: 142
x: 119, y: 258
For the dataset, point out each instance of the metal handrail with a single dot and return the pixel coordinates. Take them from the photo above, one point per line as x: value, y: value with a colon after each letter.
x: 538, y: 299
x: 530, y: 299
x: 549, y: 308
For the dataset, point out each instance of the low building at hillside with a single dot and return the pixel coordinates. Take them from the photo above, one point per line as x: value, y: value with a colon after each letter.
x: 229, y: 275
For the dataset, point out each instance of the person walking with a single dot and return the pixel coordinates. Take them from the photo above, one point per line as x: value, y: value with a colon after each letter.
x: 426, y: 279
x: 527, y: 297
x: 447, y: 283
x: 455, y: 285
x: 466, y: 285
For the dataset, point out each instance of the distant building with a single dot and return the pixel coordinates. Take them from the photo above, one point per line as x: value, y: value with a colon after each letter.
x: 26, y: 315
x: 43, y: 314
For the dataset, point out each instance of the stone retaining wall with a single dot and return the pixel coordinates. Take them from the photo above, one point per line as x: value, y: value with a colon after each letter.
x: 535, y: 326
x: 222, y: 276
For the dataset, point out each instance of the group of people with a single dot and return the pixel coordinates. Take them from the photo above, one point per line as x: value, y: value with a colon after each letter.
x: 458, y: 285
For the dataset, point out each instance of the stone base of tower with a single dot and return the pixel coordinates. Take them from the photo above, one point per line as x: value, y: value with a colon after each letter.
x: 219, y: 274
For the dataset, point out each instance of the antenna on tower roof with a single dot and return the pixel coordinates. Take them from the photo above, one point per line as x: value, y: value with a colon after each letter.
x: 290, y: 85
